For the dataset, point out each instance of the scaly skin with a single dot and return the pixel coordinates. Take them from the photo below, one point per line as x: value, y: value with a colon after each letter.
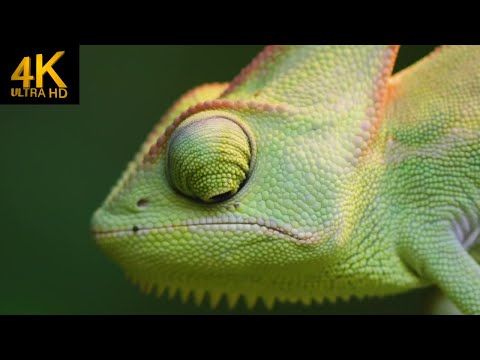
x: 313, y: 175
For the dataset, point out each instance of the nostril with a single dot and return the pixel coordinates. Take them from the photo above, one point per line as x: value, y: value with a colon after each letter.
x: 142, y: 203
x: 135, y: 229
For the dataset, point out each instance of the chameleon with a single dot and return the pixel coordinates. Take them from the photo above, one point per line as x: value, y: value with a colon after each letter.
x: 315, y: 174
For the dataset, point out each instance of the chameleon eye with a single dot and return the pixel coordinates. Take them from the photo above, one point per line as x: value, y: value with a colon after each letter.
x: 208, y: 159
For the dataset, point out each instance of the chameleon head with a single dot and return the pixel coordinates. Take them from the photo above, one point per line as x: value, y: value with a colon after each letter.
x: 247, y: 189
x: 209, y: 208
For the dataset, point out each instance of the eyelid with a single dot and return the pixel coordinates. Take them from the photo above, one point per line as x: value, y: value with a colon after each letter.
x: 208, y: 158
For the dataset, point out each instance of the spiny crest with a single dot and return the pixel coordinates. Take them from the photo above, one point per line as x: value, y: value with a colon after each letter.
x: 214, y: 298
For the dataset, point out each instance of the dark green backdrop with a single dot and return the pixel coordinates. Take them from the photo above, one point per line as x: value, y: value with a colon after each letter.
x: 59, y: 162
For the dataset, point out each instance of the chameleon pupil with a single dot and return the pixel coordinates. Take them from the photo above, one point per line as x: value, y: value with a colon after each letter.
x: 221, y: 197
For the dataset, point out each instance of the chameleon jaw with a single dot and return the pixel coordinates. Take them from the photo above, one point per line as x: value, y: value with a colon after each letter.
x: 162, y: 276
x: 269, y: 230
x: 267, y: 227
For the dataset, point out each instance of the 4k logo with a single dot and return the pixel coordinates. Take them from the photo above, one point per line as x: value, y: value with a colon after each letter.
x: 45, y: 74
x: 23, y: 73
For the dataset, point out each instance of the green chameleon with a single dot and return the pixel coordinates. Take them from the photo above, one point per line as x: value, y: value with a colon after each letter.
x: 315, y: 174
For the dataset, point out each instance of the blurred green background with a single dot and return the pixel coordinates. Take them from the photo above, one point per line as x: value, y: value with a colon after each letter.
x: 59, y: 163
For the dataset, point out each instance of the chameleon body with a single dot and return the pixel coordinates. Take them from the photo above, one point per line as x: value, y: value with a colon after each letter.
x: 315, y: 174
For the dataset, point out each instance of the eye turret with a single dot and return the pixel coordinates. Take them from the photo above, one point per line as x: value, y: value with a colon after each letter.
x: 208, y: 159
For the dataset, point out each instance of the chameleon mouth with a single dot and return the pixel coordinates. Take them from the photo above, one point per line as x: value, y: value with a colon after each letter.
x: 265, y: 227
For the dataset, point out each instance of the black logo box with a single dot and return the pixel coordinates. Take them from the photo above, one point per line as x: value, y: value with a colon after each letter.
x: 67, y: 68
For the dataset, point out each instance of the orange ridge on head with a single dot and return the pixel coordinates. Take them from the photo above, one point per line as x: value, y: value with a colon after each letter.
x: 375, y: 115
x: 265, y: 55
x: 381, y: 95
x: 209, y: 105
x: 173, y: 108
